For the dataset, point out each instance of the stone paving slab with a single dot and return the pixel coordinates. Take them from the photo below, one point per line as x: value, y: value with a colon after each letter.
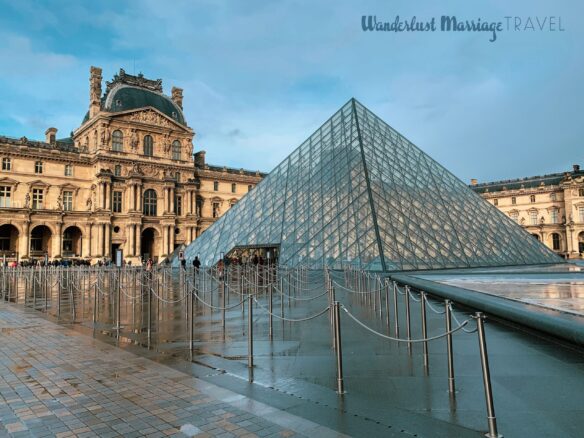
x: 57, y: 382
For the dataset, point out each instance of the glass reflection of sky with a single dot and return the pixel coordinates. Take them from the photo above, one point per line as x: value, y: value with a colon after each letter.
x: 560, y: 291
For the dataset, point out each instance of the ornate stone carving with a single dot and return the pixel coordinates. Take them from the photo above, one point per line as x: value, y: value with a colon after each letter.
x: 150, y: 117
x: 27, y: 200
x: 134, y: 140
x: 138, y: 81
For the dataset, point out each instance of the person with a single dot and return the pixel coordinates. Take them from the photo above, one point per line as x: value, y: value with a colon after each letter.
x: 183, y: 263
x: 220, y: 266
x: 196, y: 266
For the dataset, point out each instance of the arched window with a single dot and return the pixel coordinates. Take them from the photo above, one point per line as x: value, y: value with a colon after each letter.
x: 118, y: 170
x: 555, y: 241
x: 117, y: 141
x: 176, y: 150
x: 148, y: 146
x: 150, y: 202
x: 532, y: 198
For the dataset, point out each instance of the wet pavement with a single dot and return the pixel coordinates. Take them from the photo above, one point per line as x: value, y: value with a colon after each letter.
x: 537, y: 381
x: 57, y: 382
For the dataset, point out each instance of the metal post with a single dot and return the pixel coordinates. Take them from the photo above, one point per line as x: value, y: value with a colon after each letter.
x: 222, y: 290
x: 191, y: 303
x: 395, y: 310
x: 338, y: 348
x: 424, y: 328
x: 448, y: 316
x: 387, y: 304
x: 249, y: 331
x: 118, y: 304
x: 149, y: 318
x: 270, y: 305
x: 408, y: 319
x: 486, y: 377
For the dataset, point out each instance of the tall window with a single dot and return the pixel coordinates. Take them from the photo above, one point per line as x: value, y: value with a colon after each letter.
x: 552, y: 196
x: 554, y: 216
x: 37, y: 199
x: 36, y: 239
x: 176, y: 150
x: 67, y: 200
x: 68, y: 242
x: 495, y: 201
x: 38, y: 167
x: 555, y: 241
x: 117, y: 141
x: 215, y: 209
x: 177, y: 176
x: 580, y: 192
x: 150, y: 202
x: 117, y: 202
x: 5, y: 193
x: 199, y: 207
x: 118, y: 170
x: 148, y: 146
x: 216, y: 185
x: 581, y: 213
x: 6, y: 164
x: 532, y: 198
x: 533, y: 217
x: 178, y: 205
x: 515, y: 216
x: 249, y: 187
x: 233, y: 188
x: 68, y: 170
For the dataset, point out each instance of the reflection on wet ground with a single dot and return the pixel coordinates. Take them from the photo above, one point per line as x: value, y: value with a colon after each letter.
x: 537, y: 384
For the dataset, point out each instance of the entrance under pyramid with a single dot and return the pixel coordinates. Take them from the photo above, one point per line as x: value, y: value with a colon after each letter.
x: 357, y: 193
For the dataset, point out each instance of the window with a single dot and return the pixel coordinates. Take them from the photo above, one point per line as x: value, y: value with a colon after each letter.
x: 68, y: 242
x: 178, y: 205
x: 176, y: 150
x: 233, y: 188
x: 554, y: 216
x: 199, y: 207
x: 177, y: 176
x: 67, y: 200
x: 515, y: 216
x: 117, y: 202
x: 68, y: 170
x: 148, y: 146
x: 216, y: 185
x: 580, y: 192
x: 552, y: 196
x: 6, y: 164
x: 150, y: 202
x: 215, y: 209
x: 581, y: 213
x: 495, y: 201
x: 36, y: 239
x: 38, y: 167
x: 37, y: 199
x: 118, y: 170
x: 5, y: 193
x: 249, y: 188
x: 532, y: 198
x: 555, y: 241
x: 533, y: 217
x: 117, y: 141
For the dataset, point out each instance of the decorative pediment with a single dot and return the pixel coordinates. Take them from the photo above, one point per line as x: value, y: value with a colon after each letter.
x: 68, y: 187
x: 150, y: 116
x: 9, y: 182
x: 38, y: 183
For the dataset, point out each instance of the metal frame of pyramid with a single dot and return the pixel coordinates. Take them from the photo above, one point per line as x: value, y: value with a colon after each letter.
x: 358, y: 193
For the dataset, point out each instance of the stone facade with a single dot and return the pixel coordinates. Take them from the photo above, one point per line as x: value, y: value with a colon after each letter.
x: 127, y: 178
x: 550, y: 207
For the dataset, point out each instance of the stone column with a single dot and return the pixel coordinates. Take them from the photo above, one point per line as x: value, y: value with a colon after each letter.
x: 164, y: 247
x: 140, y: 199
x: 171, y: 236
x: 129, y: 240
x: 99, y: 241
x: 59, y: 241
x: 24, y: 240
x: 108, y: 240
x: 86, y: 238
x: 108, y: 199
x: 171, y: 199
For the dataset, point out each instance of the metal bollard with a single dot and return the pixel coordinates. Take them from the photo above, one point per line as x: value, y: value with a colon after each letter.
x: 408, y: 317
x: 424, y: 327
x: 386, y: 287
x: 222, y: 291
x: 149, y: 317
x: 448, y: 316
x: 492, y: 420
x: 338, y: 348
x: 270, y: 305
x: 395, y: 310
x: 249, y: 331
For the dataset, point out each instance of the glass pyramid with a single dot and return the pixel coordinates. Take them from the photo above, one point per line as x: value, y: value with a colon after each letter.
x: 356, y: 192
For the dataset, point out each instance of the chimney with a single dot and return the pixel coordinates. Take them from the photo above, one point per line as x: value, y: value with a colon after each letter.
x: 200, y: 159
x: 576, y: 167
x: 177, y: 96
x: 51, y: 136
x: 94, y: 91
x: 473, y: 182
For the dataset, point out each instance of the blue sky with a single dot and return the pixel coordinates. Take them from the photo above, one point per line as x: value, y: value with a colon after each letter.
x: 260, y: 76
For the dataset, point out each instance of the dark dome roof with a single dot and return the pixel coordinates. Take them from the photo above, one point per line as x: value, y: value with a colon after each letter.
x: 124, y: 97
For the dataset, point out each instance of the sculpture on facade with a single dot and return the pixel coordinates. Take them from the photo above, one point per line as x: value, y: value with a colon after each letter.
x: 134, y: 140
x: 27, y: 201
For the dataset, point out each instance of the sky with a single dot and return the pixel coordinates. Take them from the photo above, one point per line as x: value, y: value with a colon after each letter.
x: 260, y: 76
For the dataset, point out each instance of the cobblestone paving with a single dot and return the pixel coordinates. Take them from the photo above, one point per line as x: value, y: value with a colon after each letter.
x: 57, y: 382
